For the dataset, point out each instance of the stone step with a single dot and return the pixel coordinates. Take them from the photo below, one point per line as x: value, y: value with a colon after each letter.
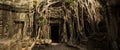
x: 1, y: 25
x: 54, y: 44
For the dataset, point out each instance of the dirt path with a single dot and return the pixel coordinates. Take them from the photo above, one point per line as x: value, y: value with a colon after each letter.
x: 54, y: 47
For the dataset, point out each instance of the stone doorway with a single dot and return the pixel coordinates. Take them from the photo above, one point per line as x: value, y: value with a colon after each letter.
x: 55, y: 35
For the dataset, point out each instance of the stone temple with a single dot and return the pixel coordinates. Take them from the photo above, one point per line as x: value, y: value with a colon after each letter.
x: 85, y: 25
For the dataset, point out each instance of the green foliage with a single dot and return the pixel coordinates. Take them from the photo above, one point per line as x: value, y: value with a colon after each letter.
x: 35, y: 2
x: 71, y: 2
x: 45, y: 21
x: 68, y: 1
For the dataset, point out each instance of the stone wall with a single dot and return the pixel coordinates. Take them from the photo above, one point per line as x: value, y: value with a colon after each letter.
x: 16, y: 18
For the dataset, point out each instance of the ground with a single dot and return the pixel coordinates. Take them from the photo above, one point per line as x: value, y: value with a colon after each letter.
x: 54, y: 47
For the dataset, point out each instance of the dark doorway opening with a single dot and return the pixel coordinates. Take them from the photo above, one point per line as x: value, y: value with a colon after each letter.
x: 19, y: 27
x: 55, y: 36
